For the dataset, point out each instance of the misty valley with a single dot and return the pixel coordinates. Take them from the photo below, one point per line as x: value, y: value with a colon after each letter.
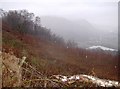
x: 82, y: 32
x: 57, y: 50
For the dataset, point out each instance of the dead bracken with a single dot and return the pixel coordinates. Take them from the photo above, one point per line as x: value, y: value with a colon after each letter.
x: 17, y: 72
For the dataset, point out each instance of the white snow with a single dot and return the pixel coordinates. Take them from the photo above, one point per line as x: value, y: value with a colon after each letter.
x: 77, y: 77
x: 102, y: 82
x: 72, y: 77
x: 101, y: 47
x: 61, y: 77
x: 64, y: 79
x: 89, y: 77
x: 93, y: 79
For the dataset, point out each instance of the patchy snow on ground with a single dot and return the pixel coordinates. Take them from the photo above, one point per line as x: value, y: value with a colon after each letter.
x: 89, y: 78
x: 102, y: 82
x: 102, y: 47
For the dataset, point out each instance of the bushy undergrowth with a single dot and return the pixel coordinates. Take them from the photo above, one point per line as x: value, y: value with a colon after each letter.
x: 51, y: 58
x: 50, y: 54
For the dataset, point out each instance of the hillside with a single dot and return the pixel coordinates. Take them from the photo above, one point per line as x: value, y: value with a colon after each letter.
x: 82, y: 31
x: 16, y: 72
x: 50, y: 55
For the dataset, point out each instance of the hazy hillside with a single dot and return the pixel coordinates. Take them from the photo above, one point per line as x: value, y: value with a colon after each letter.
x: 81, y: 31
x: 48, y: 53
x: 69, y: 29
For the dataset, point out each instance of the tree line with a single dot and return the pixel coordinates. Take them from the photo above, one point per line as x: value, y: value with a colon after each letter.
x: 27, y: 23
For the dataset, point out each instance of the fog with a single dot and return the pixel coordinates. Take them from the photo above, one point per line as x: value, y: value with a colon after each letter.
x: 100, y: 14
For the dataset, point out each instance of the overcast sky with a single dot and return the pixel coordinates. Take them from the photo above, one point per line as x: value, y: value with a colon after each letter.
x: 102, y: 12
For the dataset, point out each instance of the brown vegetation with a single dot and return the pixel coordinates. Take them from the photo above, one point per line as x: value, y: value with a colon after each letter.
x: 51, y: 58
x: 50, y: 55
x: 19, y: 73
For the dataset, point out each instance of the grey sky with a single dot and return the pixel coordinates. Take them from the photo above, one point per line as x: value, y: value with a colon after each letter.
x: 102, y: 12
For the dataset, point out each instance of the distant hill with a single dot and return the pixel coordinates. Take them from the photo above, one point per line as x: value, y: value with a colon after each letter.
x: 103, y: 49
x: 81, y: 31
x: 69, y: 29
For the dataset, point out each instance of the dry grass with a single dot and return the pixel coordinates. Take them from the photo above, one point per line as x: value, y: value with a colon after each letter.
x: 19, y: 73
x: 50, y: 58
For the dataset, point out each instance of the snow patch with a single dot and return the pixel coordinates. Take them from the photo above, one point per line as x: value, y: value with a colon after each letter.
x: 101, y: 47
x: 64, y: 79
x: 87, y: 78
x: 102, y: 82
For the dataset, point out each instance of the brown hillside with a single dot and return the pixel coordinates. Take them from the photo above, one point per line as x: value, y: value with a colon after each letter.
x: 51, y: 58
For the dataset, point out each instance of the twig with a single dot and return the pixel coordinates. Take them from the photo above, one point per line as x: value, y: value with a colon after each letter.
x: 32, y: 68
x: 30, y: 72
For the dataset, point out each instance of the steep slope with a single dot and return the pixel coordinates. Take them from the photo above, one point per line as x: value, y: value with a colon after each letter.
x: 51, y: 58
